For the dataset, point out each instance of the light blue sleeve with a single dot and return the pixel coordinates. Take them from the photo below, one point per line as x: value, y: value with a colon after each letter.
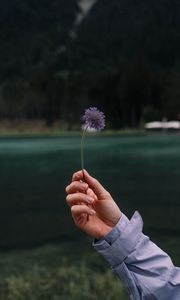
x: 146, y: 271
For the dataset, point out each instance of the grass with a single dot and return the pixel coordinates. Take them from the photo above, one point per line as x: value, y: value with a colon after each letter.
x: 68, y: 271
x: 65, y: 271
x: 40, y: 128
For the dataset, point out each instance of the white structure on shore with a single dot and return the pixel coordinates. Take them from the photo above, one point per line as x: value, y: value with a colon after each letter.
x: 164, y: 125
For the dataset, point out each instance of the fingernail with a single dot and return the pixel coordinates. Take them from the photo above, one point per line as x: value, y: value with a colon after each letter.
x: 92, y: 212
x: 89, y: 199
x: 84, y: 185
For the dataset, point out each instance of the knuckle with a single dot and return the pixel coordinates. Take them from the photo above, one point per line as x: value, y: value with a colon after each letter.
x: 76, y: 175
x: 75, y: 185
x: 95, y: 181
x: 73, y: 209
x: 67, y: 189
x: 108, y: 194
x: 68, y: 198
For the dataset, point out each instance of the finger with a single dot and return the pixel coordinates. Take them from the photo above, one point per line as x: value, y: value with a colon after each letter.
x: 77, y: 210
x: 93, y: 183
x: 73, y: 199
x: 78, y: 176
x: 75, y: 186
x: 91, y: 193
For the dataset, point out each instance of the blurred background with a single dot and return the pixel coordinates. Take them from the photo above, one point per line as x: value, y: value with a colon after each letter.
x: 58, y: 58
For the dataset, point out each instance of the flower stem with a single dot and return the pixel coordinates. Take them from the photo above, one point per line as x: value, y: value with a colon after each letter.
x: 82, y: 148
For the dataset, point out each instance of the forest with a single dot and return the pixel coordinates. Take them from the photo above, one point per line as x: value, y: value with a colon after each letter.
x: 123, y: 57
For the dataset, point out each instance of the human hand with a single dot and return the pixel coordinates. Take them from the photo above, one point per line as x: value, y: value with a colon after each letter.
x: 92, y: 207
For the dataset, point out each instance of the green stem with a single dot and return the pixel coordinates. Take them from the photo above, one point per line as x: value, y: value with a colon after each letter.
x: 82, y: 148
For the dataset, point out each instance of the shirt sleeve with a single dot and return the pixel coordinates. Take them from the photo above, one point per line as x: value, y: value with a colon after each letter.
x: 145, y: 270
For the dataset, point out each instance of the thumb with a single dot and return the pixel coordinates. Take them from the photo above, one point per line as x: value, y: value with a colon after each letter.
x: 95, y: 185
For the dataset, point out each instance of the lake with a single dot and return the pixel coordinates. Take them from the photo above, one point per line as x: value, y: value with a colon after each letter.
x: 142, y: 173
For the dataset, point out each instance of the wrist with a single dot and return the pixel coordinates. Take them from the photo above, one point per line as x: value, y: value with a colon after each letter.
x: 106, y: 229
x: 103, y: 232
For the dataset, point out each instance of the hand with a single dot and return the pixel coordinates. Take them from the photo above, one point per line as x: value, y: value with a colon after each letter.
x: 92, y: 207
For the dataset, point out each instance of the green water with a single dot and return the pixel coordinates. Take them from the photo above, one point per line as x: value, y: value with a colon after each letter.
x: 142, y: 173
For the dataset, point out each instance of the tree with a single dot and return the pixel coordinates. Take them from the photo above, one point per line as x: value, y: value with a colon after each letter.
x: 170, y: 98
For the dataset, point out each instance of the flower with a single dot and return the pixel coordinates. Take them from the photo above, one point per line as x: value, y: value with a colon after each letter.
x: 94, y: 118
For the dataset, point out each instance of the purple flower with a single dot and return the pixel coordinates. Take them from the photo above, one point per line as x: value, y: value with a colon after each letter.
x: 94, y: 118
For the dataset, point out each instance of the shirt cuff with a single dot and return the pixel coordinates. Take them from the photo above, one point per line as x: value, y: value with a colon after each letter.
x: 121, y: 240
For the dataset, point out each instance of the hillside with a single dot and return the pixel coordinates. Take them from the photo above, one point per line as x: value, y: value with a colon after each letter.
x: 119, y: 31
x: 123, y: 56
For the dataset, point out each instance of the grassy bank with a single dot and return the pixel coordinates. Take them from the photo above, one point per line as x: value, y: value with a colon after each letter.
x: 40, y: 128
x: 66, y: 271
x: 58, y: 272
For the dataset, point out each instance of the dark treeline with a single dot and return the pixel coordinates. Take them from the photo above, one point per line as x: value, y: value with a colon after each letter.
x: 124, y: 57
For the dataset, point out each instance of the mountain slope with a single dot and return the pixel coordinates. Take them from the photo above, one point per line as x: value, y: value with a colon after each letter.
x: 130, y: 29
x: 32, y: 33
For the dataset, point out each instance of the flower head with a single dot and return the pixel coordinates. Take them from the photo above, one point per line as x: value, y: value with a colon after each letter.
x: 94, y: 118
